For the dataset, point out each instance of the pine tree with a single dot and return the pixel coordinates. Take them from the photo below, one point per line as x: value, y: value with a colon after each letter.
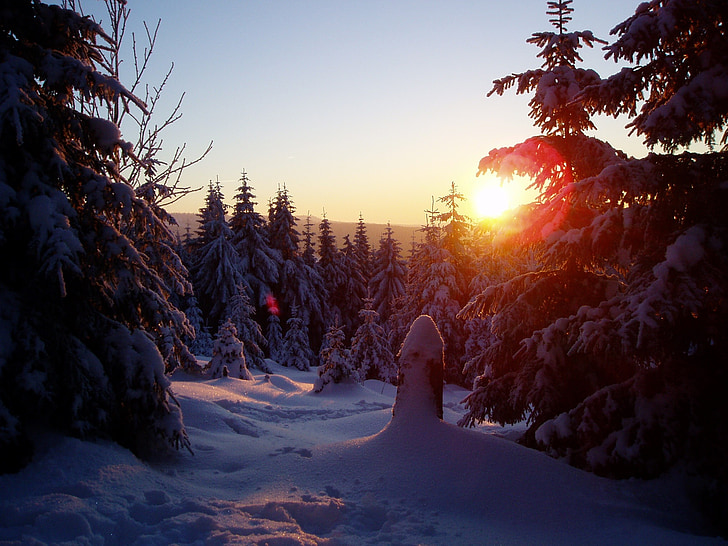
x: 296, y: 351
x: 334, y: 356
x: 201, y: 343
x: 331, y: 269
x: 299, y: 284
x: 355, y: 289
x: 434, y: 288
x: 240, y: 312
x: 390, y: 275
x: 371, y: 357
x: 620, y: 334
x: 215, y: 271
x: 274, y: 337
x: 227, y: 353
x: 258, y: 262
x: 80, y: 305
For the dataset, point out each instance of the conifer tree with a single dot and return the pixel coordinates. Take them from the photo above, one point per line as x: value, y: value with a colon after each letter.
x: 355, y: 290
x: 215, y: 270
x: 330, y: 267
x: 363, y: 250
x: 558, y: 81
x: 201, y: 343
x: 434, y: 288
x: 274, y: 337
x: 623, y: 321
x: 309, y: 246
x: 299, y: 285
x: 258, y: 262
x: 390, y: 275
x: 455, y: 230
x: 334, y: 356
x: 227, y: 354
x: 370, y: 355
x: 240, y: 312
x: 80, y: 305
x: 296, y: 352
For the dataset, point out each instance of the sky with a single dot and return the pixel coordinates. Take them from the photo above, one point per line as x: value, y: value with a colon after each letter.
x: 358, y: 107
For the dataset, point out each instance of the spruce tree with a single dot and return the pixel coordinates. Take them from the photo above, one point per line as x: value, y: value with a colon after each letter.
x: 274, y: 338
x: 258, y: 263
x: 389, y: 275
x: 296, y: 351
x: 227, y: 354
x: 363, y: 250
x: 215, y: 269
x: 434, y: 288
x: 355, y: 289
x: 241, y: 313
x: 299, y: 284
x: 201, y: 343
x: 80, y: 305
x: 330, y: 267
x: 334, y: 356
x: 620, y: 334
x: 370, y: 355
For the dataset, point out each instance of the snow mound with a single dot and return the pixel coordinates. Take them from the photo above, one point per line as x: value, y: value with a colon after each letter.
x: 421, y: 363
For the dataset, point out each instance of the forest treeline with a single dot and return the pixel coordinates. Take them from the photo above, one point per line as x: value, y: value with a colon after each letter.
x: 600, y: 316
x: 290, y: 287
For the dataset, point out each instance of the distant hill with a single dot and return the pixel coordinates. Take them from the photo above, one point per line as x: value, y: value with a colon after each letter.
x: 403, y: 233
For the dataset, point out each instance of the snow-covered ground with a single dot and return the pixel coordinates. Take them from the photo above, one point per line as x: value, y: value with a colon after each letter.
x: 276, y: 464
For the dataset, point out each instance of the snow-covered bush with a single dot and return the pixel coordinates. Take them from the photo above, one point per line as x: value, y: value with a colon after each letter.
x: 227, y: 353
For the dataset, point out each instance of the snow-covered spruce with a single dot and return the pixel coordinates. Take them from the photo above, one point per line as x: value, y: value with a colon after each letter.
x: 614, y: 347
x: 335, y: 361
x: 240, y: 311
x: 227, y: 353
x: 258, y: 262
x: 215, y: 269
x: 296, y: 351
x: 81, y: 305
x: 421, y: 364
x: 371, y: 357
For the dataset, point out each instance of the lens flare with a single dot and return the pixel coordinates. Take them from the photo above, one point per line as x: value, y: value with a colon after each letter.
x: 272, y: 304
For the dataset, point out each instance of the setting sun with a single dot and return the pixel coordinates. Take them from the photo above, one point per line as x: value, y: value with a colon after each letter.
x: 491, y: 201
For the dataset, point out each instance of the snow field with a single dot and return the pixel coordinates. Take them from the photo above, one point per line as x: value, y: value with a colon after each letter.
x: 278, y: 464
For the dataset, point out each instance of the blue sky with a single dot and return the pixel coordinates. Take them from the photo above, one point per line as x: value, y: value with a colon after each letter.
x: 358, y: 107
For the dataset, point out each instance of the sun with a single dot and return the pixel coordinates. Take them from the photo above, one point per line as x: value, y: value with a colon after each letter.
x: 491, y: 201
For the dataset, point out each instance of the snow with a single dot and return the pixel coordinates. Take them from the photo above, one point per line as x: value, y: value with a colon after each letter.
x: 275, y: 463
x: 421, y: 364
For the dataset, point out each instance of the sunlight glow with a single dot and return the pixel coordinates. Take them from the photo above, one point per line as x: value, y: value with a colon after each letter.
x: 491, y: 201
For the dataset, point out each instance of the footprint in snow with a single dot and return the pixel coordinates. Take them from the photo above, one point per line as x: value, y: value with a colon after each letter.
x: 305, y: 453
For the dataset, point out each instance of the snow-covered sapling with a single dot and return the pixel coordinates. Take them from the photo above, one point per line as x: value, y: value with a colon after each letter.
x: 421, y: 362
x: 227, y: 353
x: 335, y: 362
